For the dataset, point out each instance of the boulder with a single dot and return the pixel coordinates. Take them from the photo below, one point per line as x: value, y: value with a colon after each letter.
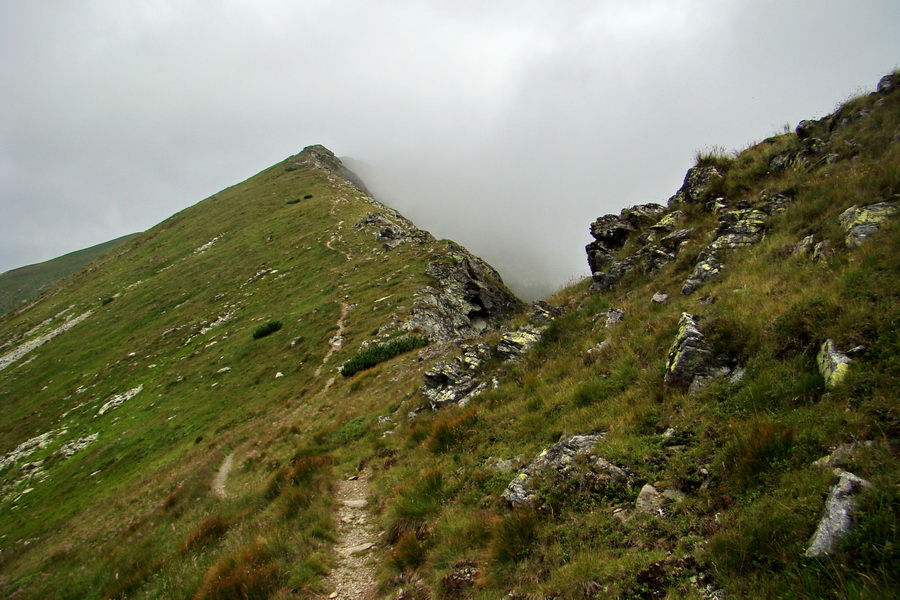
x: 697, y: 182
x: 690, y: 356
x: 833, y: 365
x: 838, y: 518
x: 544, y: 312
x: 559, y: 457
x: 468, y: 298
x: 886, y: 84
x: 859, y: 223
x: 613, y: 316
x: 649, y: 501
x: 842, y: 455
x: 707, y: 267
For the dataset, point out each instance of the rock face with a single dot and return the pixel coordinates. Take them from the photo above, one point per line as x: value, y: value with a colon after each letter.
x: 610, y: 233
x: 454, y: 381
x: 833, y: 365
x: 467, y: 299
x: 559, y: 457
x: 838, y: 518
x: 697, y: 182
x: 861, y: 222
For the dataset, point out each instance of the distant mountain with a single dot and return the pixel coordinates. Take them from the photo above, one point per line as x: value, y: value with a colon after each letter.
x: 18, y: 286
x: 288, y: 390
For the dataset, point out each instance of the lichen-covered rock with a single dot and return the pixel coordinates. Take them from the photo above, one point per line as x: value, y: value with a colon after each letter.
x: 560, y: 457
x: 610, y: 232
x: 833, y: 365
x: 707, y: 267
x: 613, y: 316
x: 859, y: 223
x: 454, y: 381
x: 468, y: 299
x: 842, y: 454
x: 697, y: 182
x: 544, y: 312
x: 516, y: 343
x: 838, y: 518
x: 739, y: 228
x: 690, y: 357
x: 649, y: 501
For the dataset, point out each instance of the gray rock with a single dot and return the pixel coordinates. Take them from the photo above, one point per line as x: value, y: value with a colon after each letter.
x: 593, y: 353
x: 838, y: 518
x: 804, y: 247
x: 454, y: 381
x: 833, y: 365
x: 649, y: 501
x: 690, y: 356
x: 739, y: 228
x: 859, y: 223
x: 613, y: 316
x: 805, y: 129
x: 469, y: 299
x: 659, y: 298
x: 821, y: 250
x: 886, y: 84
x: 560, y: 457
x: 708, y: 267
x: 842, y: 454
x: 515, y: 343
x: 697, y: 182
x: 544, y: 312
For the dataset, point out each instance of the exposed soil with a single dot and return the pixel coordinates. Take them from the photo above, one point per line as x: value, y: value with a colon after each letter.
x: 221, y: 478
x: 354, y: 575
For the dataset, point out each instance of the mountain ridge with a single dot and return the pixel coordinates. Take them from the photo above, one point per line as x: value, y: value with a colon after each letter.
x: 667, y: 428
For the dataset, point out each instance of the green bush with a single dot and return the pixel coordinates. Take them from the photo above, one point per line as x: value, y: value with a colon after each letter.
x: 378, y: 353
x: 267, y: 329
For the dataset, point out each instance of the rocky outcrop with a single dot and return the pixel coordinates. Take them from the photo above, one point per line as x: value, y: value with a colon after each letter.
x: 697, y: 182
x: 838, y: 518
x: 468, y: 298
x: 859, y: 223
x: 707, y: 267
x: 833, y: 365
x: 560, y: 457
x: 454, y: 381
x: 391, y: 229
x: 691, y: 362
x: 513, y: 344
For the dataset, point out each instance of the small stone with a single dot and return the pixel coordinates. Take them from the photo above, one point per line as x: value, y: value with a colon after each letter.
x: 838, y: 518
x: 223, y: 370
x: 279, y: 375
x: 356, y: 503
x: 649, y: 501
x: 659, y: 298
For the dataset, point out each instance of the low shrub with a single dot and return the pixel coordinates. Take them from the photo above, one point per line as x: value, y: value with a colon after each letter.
x: 248, y: 573
x: 378, y: 353
x: 267, y: 329
x: 513, y: 535
x: 209, y: 530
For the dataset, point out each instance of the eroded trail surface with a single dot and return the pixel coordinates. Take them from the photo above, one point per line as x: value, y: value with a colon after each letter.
x: 222, y: 476
x: 354, y: 575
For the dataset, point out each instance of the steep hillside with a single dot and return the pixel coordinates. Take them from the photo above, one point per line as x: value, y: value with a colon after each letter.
x: 18, y: 286
x: 214, y: 338
x: 676, y: 426
x: 683, y: 428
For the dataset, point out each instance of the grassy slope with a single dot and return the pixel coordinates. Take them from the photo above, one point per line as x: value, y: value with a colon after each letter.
x: 17, y: 286
x: 147, y: 526
x: 115, y: 518
x: 741, y: 454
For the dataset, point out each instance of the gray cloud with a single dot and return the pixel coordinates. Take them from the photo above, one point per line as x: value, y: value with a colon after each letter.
x: 506, y: 127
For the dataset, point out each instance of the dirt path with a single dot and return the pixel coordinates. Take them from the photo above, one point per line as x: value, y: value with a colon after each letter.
x: 221, y: 478
x: 354, y: 576
x: 336, y: 341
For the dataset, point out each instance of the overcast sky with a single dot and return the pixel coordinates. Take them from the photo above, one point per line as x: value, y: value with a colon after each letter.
x: 508, y: 125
